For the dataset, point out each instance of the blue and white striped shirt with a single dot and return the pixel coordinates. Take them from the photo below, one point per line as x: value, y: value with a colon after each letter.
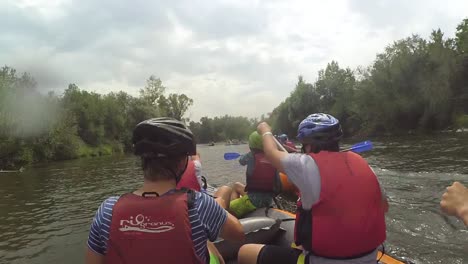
x: 206, y: 219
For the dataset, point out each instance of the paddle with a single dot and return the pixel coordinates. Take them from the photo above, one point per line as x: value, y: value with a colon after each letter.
x: 360, y: 147
x: 231, y: 155
x: 357, y: 148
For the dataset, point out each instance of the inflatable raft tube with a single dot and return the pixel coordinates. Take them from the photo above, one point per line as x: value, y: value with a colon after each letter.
x: 273, y: 227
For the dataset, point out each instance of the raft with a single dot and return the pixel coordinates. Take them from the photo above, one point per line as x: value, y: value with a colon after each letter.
x: 274, y: 227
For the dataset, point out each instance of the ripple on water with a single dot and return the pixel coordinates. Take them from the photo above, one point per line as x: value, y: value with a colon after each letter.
x: 45, y: 213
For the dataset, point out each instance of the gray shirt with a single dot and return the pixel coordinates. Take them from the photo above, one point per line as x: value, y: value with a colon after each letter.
x: 304, y: 173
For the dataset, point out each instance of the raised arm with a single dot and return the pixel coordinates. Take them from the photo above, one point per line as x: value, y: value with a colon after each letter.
x: 269, y: 146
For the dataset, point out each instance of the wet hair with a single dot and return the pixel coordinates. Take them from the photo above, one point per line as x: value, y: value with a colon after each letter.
x: 155, y: 169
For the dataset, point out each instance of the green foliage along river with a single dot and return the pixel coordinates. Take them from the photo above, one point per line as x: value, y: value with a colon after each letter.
x: 416, y: 85
x: 45, y: 211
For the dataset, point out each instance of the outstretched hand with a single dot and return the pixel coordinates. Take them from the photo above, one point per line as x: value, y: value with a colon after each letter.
x: 455, y: 201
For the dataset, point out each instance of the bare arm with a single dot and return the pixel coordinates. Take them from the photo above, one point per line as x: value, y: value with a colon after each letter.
x: 232, y: 229
x: 270, y: 148
x: 93, y: 257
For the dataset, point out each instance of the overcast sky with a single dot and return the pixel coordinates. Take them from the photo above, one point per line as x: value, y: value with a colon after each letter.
x: 231, y: 57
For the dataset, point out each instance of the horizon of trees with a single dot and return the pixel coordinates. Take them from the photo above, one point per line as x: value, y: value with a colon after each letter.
x: 36, y: 127
x: 416, y: 85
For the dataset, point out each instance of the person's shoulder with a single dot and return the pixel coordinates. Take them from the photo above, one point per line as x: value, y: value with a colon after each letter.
x: 204, y: 200
x: 202, y: 196
x: 111, y: 201
x: 297, y: 158
x: 197, y: 163
x: 206, y: 205
x: 355, y: 156
x: 108, y: 204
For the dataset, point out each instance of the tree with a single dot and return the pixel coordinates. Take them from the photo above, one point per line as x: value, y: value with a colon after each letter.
x: 153, y: 90
x: 175, y: 105
x: 460, y: 98
x: 461, y: 39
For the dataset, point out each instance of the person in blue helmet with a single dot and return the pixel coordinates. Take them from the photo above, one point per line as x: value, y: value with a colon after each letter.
x: 341, y: 210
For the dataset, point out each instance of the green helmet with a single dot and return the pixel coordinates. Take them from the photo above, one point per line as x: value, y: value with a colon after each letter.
x: 255, y: 141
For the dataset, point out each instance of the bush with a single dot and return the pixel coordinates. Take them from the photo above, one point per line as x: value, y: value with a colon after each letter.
x: 118, y: 148
x: 67, y: 149
x: 461, y: 121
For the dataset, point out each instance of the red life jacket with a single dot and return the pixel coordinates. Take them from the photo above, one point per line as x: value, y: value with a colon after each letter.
x: 290, y: 144
x: 152, y: 230
x: 348, y: 220
x: 264, y: 177
x: 189, y: 178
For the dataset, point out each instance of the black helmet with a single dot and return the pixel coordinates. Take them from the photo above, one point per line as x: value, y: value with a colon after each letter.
x: 163, y: 137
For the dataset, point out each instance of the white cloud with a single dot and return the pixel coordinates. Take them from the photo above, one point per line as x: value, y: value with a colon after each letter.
x: 231, y: 57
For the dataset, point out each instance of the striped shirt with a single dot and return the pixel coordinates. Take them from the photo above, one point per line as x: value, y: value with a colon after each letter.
x: 206, y: 219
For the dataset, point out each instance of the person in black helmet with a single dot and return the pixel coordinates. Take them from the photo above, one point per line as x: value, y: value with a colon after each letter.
x: 157, y: 222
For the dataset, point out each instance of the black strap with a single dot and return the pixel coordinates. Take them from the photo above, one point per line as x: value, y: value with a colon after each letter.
x: 151, y: 194
x: 190, y: 196
x: 304, y: 232
x: 190, y: 199
x: 205, y: 184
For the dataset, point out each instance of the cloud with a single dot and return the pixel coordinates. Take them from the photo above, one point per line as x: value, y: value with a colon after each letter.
x: 231, y: 57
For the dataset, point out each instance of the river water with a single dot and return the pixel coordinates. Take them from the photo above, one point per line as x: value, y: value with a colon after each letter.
x: 45, y: 211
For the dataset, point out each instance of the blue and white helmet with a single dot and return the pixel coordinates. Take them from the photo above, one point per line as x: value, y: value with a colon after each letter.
x: 319, y: 128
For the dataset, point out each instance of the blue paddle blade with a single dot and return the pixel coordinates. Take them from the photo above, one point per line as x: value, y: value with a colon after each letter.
x: 361, y: 147
x: 231, y: 155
